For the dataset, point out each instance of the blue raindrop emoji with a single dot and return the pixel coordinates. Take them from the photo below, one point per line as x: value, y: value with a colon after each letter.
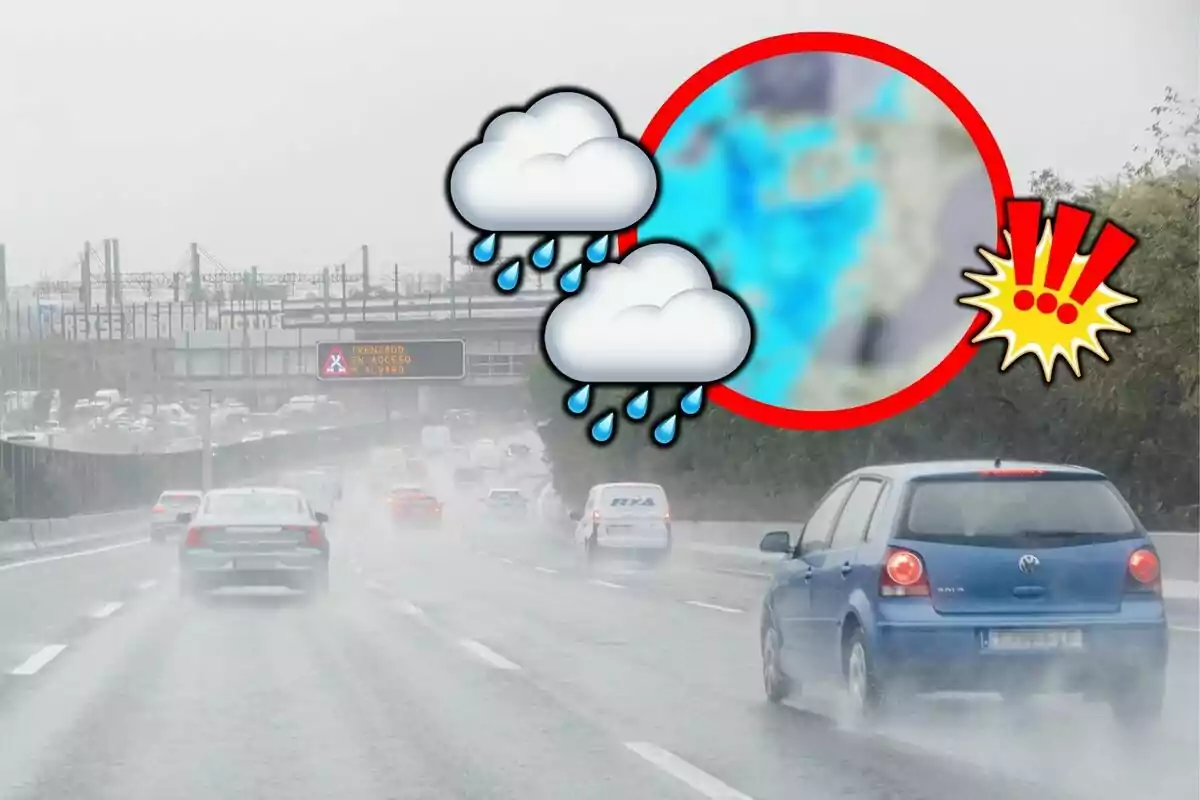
x: 638, y: 405
x: 602, y: 429
x: 508, y: 278
x: 543, y: 254
x: 664, y: 432
x: 485, y: 249
x: 572, y: 279
x: 579, y: 400
x: 597, y: 251
x: 692, y: 402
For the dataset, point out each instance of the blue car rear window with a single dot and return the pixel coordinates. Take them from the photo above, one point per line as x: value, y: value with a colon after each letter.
x: 989, y: 509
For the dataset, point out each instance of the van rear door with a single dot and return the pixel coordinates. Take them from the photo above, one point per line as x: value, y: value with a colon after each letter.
x: 633, y: 515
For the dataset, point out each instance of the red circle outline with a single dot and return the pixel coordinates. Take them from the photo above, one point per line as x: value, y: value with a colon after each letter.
x: 993, y: 160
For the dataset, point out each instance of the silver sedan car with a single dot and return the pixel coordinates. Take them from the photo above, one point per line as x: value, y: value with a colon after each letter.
x: 254, y: 537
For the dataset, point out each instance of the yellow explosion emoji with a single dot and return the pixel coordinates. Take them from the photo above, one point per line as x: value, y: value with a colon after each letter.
x: 1025, y: 296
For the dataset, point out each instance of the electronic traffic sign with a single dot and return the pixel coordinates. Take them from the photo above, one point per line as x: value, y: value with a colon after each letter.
x: 421, y: 360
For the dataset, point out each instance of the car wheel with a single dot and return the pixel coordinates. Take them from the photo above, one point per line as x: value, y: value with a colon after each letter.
x: 1139, y: 703
x: 863, y: 686
x: 590, y: 548
x: 776, y: 682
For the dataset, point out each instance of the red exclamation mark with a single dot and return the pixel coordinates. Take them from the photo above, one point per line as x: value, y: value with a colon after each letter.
x: 1112, y: 246
x: 1070, y: 224
x: 1024, y: 219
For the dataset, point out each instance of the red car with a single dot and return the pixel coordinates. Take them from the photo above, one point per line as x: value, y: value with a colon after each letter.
x: 411, y: 505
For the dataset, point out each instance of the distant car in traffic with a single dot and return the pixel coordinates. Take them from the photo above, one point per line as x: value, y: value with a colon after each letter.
x: 164, y: 520
x: 413, y: 506
x: 506, y: 506
x: 629, y: 519
x: 254, y: 537
x: 968, y: 576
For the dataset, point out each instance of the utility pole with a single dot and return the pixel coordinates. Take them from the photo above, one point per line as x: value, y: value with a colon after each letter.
x: 206, y: 441
x: 366, y: 269
x: 196, y: 291
x: 116, y: 272
x: 85, y: 277
x: 325, y: 291
x: 453, y: 264
x: 343, y: 293
x: 108, y: 274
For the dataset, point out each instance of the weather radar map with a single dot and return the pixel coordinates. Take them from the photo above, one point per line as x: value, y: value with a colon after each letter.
x: 840, y: 200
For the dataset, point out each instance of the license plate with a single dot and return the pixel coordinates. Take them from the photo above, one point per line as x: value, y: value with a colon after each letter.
x: 1034, y: 640
x: 254, y: 563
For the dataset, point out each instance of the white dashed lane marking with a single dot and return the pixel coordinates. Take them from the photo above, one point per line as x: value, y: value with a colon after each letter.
x: 39, y: 659
x: 713, y: 607
x: 606, y: 584
x: 487, y: 655
x: 106, y: 610
x: 146, y: 585
x: 707, y: 785
x: 547, y: 570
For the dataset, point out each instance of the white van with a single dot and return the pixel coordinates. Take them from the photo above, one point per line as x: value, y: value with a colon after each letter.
x: 626, y: 518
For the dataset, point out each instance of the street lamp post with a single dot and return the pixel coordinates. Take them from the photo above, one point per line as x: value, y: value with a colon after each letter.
x: 206, y: 445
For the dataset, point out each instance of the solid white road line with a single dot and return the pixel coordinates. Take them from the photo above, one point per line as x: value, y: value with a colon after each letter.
x: 79, y: 554
x: 1183, y: 629
x: 606, y: 584
x: 713, y: 606
x: 106, y: 610
x: 707, y: 785
x: 506, y: 560
x: 147, y: 584
x: 487, y: 655
x: 547, y: 570
x: 39, y: 659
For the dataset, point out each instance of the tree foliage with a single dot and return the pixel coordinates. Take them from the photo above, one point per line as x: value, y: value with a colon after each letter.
x: 1134, y: 418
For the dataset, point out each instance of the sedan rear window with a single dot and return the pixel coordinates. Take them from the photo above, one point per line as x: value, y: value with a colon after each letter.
x: 1018, y: 509
x: 256, y: 504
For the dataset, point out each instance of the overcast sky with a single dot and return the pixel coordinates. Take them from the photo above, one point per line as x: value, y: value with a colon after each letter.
x: 285, y: 133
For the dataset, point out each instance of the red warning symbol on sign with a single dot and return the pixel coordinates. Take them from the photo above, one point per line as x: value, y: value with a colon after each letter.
x: 335, y: 363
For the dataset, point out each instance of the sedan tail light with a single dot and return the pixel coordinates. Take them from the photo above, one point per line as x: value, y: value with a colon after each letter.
x: 159, y: 509
x: 1143, y: 571
x: 315, y: 536
x: 194, y: 538
x: 903, y: 575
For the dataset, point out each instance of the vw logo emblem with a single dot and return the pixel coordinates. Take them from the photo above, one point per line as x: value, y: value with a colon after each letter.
x: 1028, y: 563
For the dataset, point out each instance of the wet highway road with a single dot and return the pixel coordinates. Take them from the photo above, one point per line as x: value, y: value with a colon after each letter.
x: 464, y: 664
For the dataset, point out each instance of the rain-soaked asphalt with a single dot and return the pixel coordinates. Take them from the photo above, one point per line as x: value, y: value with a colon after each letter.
x: 488, y: 664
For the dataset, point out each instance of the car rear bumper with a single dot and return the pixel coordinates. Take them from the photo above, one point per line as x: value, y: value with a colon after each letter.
x: 954, y: 656
x: 247, y: 568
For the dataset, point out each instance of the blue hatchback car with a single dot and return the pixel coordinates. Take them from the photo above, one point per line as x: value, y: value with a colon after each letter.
x: 1017, y: 578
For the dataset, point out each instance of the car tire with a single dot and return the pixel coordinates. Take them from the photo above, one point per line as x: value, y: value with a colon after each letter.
x: 1138, y: 704
x: 777, y: 684
x: 864, y: 688
x: 590, y: 549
